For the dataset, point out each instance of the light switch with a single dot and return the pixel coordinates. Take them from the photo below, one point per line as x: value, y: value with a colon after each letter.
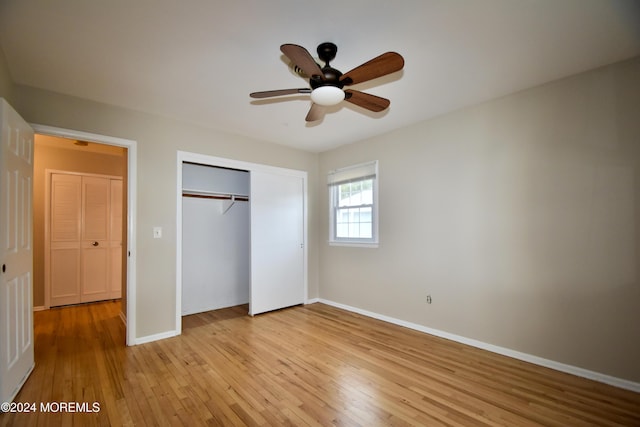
x: 157, y: 232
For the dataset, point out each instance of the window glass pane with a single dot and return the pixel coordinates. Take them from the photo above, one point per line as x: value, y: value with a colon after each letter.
x: 356, y: 193
x: 365, y: 230
x: 365, y: 214
x: 353, y: 210
x: 354, y: 222
x: 345, y: 192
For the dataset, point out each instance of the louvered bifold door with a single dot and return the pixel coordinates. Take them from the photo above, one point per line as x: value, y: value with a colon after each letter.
x: 65, y: 233
x: 95, y: 268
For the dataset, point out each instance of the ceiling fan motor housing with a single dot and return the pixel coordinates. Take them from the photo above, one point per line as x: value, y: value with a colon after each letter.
x: 331, y: 77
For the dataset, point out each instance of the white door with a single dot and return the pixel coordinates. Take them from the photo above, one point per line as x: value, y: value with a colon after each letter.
x: 85, y: 239
x: 64, y: 238
x: 16, y: 254
x: 96, y: 212
x: 277, y: 241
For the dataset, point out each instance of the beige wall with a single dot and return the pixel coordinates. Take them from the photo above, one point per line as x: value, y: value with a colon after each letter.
x: 49, y: 154
x: 6, y: 86
x: 520, y: 217
x: 158, y: 140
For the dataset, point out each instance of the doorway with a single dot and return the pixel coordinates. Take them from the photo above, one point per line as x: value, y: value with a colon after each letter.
x: 107, y: 144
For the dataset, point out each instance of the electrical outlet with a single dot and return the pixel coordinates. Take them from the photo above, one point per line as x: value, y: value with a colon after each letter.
x: 429, y: 299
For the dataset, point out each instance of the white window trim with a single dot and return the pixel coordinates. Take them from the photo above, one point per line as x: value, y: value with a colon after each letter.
x: 374, y: 242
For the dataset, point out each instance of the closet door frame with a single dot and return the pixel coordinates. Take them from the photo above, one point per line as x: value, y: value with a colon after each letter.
x: 185, y: 156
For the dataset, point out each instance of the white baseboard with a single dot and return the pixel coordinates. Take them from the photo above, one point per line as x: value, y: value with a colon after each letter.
x: 155, y: 337
x: 312, y: 301
x: 574, y: 370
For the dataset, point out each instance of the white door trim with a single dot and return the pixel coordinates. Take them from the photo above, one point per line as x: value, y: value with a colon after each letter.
x: 131, y: 147
x: 203, y: 159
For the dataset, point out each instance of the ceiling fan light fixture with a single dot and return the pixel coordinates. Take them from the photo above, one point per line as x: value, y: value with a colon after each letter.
x: 327, y: 95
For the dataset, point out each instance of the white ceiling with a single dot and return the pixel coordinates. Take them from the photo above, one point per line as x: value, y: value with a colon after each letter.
x: 198, y: 60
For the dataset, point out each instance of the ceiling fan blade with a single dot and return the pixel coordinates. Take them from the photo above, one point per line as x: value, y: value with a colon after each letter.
x: 316, y: 112
x: 302, y: 58
x: 387, y: 63
x: 366, y: 100
x: 279, y: 92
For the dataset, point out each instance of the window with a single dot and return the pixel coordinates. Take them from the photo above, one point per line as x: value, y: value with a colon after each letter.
x: 353, y: 193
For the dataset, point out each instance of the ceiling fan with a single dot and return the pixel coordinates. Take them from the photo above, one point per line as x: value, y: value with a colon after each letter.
x: 327, y: 83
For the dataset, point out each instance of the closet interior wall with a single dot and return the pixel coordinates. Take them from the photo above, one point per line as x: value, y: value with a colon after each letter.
x: 216, y: 265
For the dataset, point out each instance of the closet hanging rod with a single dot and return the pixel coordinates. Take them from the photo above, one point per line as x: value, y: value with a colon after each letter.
x: 217, y: 196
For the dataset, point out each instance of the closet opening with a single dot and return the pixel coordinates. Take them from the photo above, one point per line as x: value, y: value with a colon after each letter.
x: 216, y: 239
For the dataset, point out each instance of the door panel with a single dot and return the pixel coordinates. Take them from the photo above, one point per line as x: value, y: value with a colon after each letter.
x: 115, y: 272
x: 95, y: 239
x: 95, y: 273
x: 66, y: 209
x: 65, y: 275
x: 277, y: 239
x: 95, y: 209
x: 65, y: 249
x: 16, y: 253
x: 115, y: 238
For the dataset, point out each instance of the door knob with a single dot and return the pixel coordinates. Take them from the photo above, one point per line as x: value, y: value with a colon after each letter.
x: 95, y: 243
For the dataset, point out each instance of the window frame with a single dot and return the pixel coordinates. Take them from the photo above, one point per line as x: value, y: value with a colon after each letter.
x: 350, y: 174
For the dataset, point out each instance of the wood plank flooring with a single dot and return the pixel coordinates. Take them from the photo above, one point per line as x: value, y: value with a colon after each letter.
x: 305, y: 366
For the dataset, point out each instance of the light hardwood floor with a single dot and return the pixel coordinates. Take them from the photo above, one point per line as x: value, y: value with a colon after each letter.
x: 305, y: 366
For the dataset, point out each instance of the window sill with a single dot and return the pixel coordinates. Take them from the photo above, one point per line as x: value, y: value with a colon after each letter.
x: 354, y: 244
